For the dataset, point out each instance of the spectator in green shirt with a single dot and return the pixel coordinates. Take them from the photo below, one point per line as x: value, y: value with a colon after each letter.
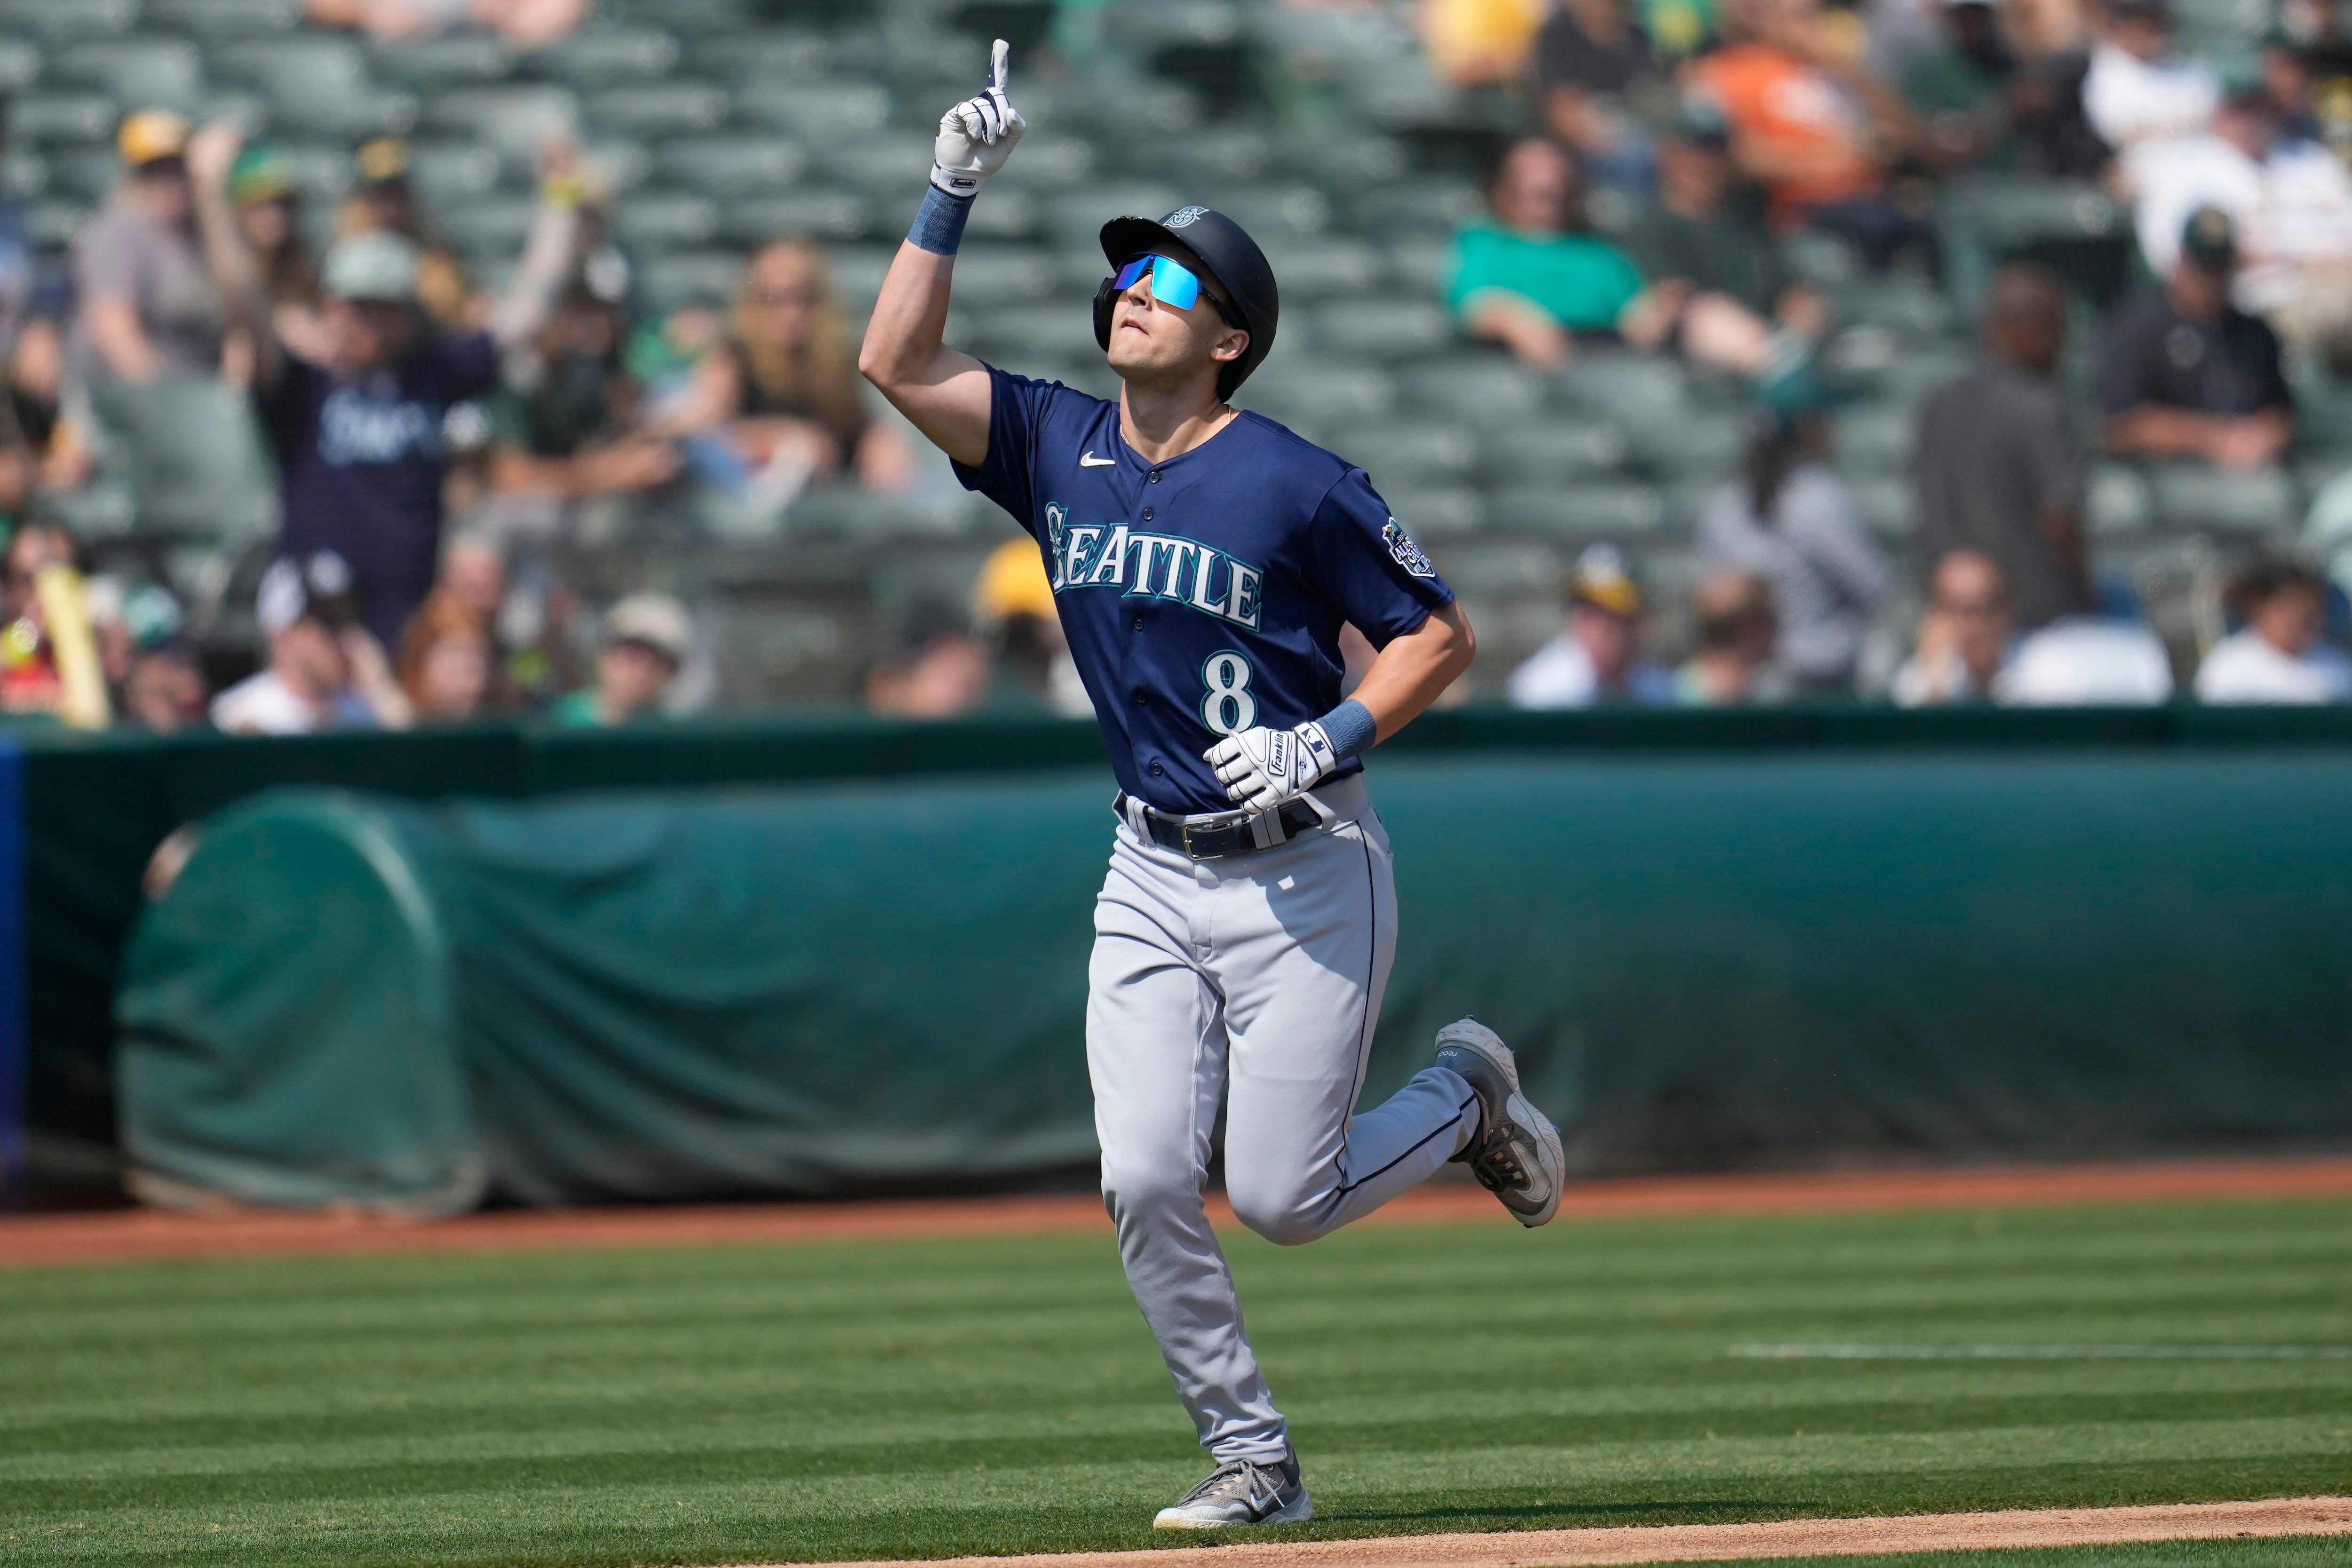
x: 1533, y: 276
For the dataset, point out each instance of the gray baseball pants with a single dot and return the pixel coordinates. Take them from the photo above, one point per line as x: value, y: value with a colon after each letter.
x: 1254, y: 979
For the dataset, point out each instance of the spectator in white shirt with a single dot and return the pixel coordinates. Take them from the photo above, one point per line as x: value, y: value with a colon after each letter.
x: 2291, y: 200
x: 1965, y: 639
x: 2084, y: 662
x: 1597, y: 658
x: 2279, y: 656
x: 2138, y: 90
x: 325, y: 672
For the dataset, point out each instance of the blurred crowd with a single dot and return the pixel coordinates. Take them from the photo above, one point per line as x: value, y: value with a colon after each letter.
x: 437, y: 436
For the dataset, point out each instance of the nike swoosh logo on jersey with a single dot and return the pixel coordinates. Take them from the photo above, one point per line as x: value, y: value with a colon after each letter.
x: 1091, y: 461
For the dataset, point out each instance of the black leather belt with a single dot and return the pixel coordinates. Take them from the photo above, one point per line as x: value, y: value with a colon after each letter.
x: 1221, y: 839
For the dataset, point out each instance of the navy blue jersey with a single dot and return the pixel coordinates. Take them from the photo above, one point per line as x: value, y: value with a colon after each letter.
x: 1205, y: 594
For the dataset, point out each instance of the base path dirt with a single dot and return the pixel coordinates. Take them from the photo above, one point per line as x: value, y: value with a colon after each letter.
x: 1735, y: 1543
x: 130, y: 1235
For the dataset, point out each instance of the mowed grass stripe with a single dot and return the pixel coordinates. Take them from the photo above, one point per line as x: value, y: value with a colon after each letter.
x: 913, y: 1398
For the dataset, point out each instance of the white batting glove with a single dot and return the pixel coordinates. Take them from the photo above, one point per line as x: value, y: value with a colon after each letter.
x: 977, y: 135
x: 1264, y: 769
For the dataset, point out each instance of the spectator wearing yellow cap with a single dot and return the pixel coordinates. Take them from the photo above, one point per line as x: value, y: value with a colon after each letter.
x: 1014, y: 605
x: 383, y: 200
x: 1597, y: 658
x: 149, y: 307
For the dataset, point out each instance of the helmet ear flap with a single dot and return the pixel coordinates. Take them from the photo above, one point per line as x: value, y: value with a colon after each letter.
x: 1106, y: 298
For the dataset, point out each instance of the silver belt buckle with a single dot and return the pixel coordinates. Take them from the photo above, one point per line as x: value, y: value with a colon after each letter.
x: 1184, y: 830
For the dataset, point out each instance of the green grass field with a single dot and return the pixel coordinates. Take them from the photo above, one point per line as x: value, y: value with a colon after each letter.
x: 925, y: 1398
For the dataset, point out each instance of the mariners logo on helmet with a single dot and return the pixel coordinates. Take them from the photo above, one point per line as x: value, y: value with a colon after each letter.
x: 1407, y: 554
x: 1182, y: 217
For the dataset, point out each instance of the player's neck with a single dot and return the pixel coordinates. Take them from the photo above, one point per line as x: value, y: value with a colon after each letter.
x: 1162, y: 422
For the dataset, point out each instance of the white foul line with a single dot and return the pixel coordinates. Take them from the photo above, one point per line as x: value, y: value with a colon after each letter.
x: 2039, y: 1352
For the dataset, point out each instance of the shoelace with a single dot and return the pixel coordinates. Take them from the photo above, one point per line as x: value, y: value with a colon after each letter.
x: 1222, y: 1481
x: 1498, y: 1165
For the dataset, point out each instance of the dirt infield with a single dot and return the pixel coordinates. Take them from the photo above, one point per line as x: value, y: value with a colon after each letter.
x: 1736, y: 1542
x: 133, y: 1235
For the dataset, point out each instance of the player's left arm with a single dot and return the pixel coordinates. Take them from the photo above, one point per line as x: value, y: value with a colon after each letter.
x: 1414, y: 669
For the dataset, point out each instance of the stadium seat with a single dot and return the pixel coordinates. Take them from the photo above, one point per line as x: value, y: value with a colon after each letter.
x: 214, y: 22
x: 820, y: 114
x: 1690, y: 444
x: 1410, y: 454
x: 2195, y: 497
x: 687, y: 277
x: 1875, y: 438
x: 1010, y: 214
x: 319, y: 83
x: 1385, y: 329
x: 660, y: 108
x: 826, y: 213
x: 510, y: 118
x: 436, y: 65
x: 82, y: 172
x: 1276, y: 213
x: 1598, y: 509
x: 192, y: 456
x: 1549, y: 451
x: 666, y: 220
x: 447, y: 172
x: 160, y: 73
x: 1886, y: 502
x: 773, y: 56
x: 1073, y: 218
x: 989, y: 276
x: 734, y: 163
x: 1428, y: 208
x: 2116, y: 500
x: 1310, y: 269
x: 878, y: 166
x: 1060, y: 162
x: 64, y: 21
x: 35, y: 118
x: 1315, y: 396
x: 1476, y: 387
x: 1025, y: 332
x: 608, y: 57
x: 1443, y: 512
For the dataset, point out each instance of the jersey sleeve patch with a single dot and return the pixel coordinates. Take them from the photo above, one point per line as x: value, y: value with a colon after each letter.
x: 1404, y: 551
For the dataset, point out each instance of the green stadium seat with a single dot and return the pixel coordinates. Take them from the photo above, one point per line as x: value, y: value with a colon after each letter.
x: 1385, y: 329
x: 318, y: 84
x: 1047, y: 162
x: 1420, y: 265
x: 51, y: 117
x: 609, y: 57
x: 1324, y: 269
x: 732, y: 163
x: 1478, y: 387
x: 55, y: 225
x: 213, y: 21
x: 822, y: 113
x: 1901, y: 301
x: 510, y: 118
x: 687, y: 277
x: 1417, y: 453
x: 1316, y: 395
x: 1428, y: 512
x: 1278, y: 214
x: 879, y: 166
x: 660, y: 108
x: 990, y: 276
x: 192, y: 456
x: 1887, y: 503
x: 1631, y: 386
x: 156, y: 73
x: 666, y: 220
x: 2196, y: 497
x: 1692, y: 443
x: 1024, y: 332
x: 1425, y: 207
x: 82, y: 172
x: 64, y: 21
x: 766, y: 55
x: 1073, y: 218
x: 20, y: 65
x: 1009, y: 214
x: 1875, y: 438
x: 436, y: 64
x: 1594, y: 510
x: 2116, y: 500
x: 1551, y: 450
x: 824, y: 213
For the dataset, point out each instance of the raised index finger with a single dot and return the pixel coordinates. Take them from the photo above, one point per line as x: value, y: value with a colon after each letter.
x: 999, y: 55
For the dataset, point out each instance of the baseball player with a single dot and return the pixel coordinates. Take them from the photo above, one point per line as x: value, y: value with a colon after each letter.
x: 1203, y: 561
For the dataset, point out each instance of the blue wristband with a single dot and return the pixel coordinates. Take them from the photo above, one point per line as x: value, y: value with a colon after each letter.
x: 1350, y: 728
x: 938, y: 222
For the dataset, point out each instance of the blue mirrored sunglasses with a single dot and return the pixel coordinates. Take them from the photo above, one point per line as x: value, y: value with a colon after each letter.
x: 1172, y: 283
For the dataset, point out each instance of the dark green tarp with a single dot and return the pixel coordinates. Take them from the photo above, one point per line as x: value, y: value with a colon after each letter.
x: 1701, y: 961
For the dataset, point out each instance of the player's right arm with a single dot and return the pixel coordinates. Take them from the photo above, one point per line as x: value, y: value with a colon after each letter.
x: 942, y: 392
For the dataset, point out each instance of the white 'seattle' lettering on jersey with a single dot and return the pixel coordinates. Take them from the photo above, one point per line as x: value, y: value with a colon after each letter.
x: 1204, y: 594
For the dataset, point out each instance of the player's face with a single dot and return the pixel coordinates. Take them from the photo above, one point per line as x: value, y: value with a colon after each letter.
x: 1154, y: 341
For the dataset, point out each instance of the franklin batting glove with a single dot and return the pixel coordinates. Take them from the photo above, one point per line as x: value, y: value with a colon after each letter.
x: 1263, y: 770
x: 977, y: 135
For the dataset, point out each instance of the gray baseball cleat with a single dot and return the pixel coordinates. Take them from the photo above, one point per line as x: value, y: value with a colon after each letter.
x: 1516, y: 1155
x: 1241, y: 1493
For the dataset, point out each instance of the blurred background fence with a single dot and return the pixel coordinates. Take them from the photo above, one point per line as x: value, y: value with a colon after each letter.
x: 803, y: 957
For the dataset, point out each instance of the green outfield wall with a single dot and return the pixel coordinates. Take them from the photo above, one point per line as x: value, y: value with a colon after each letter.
x: 673, y: 961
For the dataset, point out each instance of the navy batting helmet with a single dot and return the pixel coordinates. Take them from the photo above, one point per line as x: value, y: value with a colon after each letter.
x: 1232, y: 258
